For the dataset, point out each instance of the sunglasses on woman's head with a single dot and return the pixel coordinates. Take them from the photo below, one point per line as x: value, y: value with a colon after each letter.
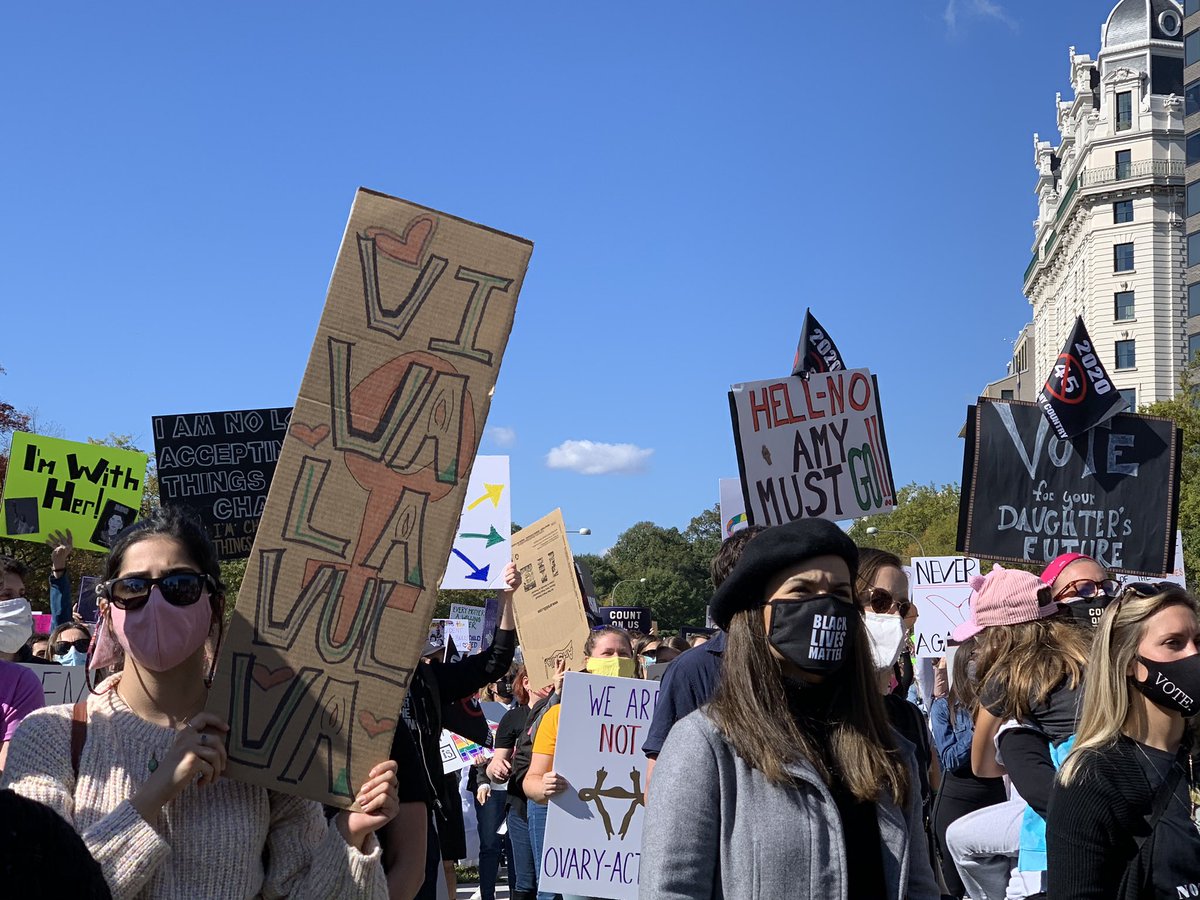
x: 1146, y: 589
x: 881, y: 601
x: 1089, y: 588
x: 178, y: 589
x: 61, y: 648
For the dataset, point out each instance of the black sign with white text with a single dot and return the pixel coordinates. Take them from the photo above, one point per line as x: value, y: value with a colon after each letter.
x: 631, y: 618
x: 1111, y: 493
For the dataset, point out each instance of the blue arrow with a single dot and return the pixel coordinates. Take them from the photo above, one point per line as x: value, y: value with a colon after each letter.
x: 477, y: 574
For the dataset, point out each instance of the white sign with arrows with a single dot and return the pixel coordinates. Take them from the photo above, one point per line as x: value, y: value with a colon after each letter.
x: 481, y: 546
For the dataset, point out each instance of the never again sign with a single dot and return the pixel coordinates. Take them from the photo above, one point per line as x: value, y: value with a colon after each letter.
x: 811, y: 447
x: 1110, y: 493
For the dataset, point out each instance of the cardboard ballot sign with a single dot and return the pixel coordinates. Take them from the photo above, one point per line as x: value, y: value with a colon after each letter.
x: 548, y: 606
x: 220, y: 466
x: 367, y: 492
x: 1111, y: 493
x: 940, y: 589
x: 481, y: 549
x: 61, y: 684
x: 55, y: 485
x: 594, y: 829
x: 733, y: 506
x: 473, y: 616
x: 631, y: 618
x: 811, y: 448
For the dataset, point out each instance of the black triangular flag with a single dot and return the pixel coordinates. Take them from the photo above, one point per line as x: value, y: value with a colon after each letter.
x: 1079, y: 395
x: 816, y: 351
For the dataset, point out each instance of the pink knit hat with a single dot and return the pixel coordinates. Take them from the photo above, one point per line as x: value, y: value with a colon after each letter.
x: 1060, y: 562
x: 1003, y: 597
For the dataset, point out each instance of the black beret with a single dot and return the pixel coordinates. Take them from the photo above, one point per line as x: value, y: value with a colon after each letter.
x: 773, y: 550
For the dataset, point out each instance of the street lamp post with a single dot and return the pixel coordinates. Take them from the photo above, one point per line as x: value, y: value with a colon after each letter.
x: 873, y: 531
x: 612, y: 595
x: 579, y: 531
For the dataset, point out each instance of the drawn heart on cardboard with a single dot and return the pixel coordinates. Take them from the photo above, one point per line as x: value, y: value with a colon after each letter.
x: 406, y: 249
x: 267, y: 679
x: 373, y: 726
x: 310, y: 434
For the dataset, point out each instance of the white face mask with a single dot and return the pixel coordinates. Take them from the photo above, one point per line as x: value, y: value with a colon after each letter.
x: 886, y: 633
x: 16, y: 624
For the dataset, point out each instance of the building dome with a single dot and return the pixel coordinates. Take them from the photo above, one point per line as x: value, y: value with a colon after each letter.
x: 1137, y: 21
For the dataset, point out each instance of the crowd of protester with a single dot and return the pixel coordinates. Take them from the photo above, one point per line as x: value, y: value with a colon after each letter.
x: 799, y: 752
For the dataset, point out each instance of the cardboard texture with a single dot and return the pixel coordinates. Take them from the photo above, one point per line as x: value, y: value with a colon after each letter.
x: 481, y: 548
x: 55, y: 485
x: 220, y: 465
x: 1111, y: 493
x: 368, y: 488
x: 940, y: 588
x: 594, y: 829
x: 811, y: 448
x: 549, y: 605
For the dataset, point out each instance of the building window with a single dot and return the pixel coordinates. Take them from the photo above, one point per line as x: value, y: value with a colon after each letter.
x: 1193, y: 346
x: 1006, y: 394
x: 1124, y: 162
x: 1191, y: 48
x: 1130, y: 394
x: 1126, y: 355
x: 1193, y: 147
x: 1193, y: 198
x: 1123, y: 210
x: 1123, y: 257
x: 1191, y: 98
x: 1193, y: 257
x: 1194, y: 299
x: 1125, y: 108
x: 1191, y: 7
x: 1123, y: 305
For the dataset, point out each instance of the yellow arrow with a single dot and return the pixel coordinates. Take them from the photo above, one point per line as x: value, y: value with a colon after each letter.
x: 490, y: 492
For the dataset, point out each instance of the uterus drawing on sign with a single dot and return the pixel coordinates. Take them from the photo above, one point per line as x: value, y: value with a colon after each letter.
x: 955, y: 612
x: 598, y: 794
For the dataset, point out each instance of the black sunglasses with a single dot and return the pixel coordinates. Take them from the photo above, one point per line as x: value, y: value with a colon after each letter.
x: 178, y: 589
x: 1089, y: 589
x: 1146, y: 589
x: 62, y: 647
x: 881, y: 601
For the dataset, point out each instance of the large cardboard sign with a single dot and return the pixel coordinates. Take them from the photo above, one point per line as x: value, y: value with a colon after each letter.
x: 548, y: 606
x: 940, y: 587
x: 811, y: 448
x: 220, y: 466
x: 1028, y: 496
x: 481, y: 549
x: 370, y: 481
x: 733, y: 506
x: 60, y: 684
x: 91, y: 490
x: 631, y: 618
x: 594, y: 829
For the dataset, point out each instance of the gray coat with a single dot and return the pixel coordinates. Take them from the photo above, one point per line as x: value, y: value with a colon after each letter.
x: 716, y: 828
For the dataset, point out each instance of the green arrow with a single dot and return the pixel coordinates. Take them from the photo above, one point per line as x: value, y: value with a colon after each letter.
x: 493, y: 537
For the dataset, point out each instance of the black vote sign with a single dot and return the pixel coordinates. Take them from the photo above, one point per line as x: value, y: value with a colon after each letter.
x: 220, y: 465
x: 1028, y: 496
x: 631, y: 618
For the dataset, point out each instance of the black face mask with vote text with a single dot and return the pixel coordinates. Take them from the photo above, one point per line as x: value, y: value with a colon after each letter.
x: 1172, y: 685
x: 817, y: 635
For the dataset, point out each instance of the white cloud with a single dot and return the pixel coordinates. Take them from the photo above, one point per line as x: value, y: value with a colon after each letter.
x: 501, y: 435
x: 983, y: 9
x: 595, y: 458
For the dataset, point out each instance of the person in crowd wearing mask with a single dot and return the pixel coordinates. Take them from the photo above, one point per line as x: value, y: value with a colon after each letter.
x: 498, y: 805
x: 435, y: 684
x: 1029, y: 663
x: 961, y: 791
x: 69, y: 644
x: 136, y: 768
x: 691, y: 679
x: 806, y: 790
x: 663, y: 650
x: 61, y: 544
x: 1125, y: 812
x: 608, y: 651
x: 20, y: 688
x: 1081, y: 586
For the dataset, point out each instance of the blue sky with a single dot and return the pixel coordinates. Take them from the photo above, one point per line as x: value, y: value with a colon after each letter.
x: 176, y: 181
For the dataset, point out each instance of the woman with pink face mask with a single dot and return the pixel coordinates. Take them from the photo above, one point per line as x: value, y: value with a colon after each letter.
x: 136, y: 767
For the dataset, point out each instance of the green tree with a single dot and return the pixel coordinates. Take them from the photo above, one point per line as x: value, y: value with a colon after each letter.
x: 929, y: 515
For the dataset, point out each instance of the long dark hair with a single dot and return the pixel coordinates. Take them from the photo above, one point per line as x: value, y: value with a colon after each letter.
x: 751, y: 710
x: 181, y: 526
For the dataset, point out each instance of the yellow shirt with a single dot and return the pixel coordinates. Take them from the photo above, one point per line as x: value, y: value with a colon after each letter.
x: 546, y: 738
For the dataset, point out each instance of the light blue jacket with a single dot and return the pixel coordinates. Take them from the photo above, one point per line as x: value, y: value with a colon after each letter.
x: 716, y: 828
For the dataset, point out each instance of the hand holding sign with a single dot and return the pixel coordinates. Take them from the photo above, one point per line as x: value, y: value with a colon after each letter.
x: 379, y: 800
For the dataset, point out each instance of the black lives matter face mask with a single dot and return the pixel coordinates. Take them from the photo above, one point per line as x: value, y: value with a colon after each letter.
x: 817, y: 635
x: 1172, y: 685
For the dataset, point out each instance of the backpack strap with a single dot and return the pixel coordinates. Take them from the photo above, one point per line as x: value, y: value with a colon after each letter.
x: 1162, y: 797
x: 79, y: 723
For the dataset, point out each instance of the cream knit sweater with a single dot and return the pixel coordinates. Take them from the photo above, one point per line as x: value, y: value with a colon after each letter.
x: 228, y: 839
